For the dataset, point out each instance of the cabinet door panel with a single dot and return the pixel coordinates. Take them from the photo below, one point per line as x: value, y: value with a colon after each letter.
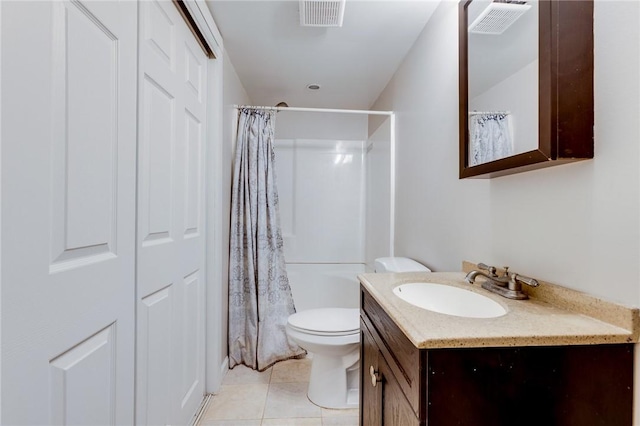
x: 396, y: 410
x: 370, y: 396
x: 403, y: 357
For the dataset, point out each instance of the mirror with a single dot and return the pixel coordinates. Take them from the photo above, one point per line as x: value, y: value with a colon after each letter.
x: 503, y: 80
x: 526, y: 92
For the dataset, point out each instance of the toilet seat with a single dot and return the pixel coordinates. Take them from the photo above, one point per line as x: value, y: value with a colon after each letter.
x: 326, y: 321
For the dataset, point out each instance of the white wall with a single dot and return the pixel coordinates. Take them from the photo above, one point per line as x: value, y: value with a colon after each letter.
x: 439, y: 220
x: 582, y: 222
x: 576, y: 225
x: 228, y: 91
x: 320, y: 125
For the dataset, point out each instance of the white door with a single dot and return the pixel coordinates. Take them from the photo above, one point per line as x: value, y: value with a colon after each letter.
x: 170, y: 352
x: 68, y: 211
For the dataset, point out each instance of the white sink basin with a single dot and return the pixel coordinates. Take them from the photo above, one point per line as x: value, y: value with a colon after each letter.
x: 449, y: 300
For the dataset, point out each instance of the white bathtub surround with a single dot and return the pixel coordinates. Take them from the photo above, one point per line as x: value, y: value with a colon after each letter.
x: 321, y: 191
x: 379, y: 182
x: 260, y: 298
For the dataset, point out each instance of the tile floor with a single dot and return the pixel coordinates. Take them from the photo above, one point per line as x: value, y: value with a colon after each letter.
x: 275, y: 397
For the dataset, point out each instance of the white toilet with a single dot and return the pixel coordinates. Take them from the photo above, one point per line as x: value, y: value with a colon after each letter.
x: 332, y: 335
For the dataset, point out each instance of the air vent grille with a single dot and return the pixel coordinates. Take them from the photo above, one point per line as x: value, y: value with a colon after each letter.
x: 497, y: 17
x: 321, y: 13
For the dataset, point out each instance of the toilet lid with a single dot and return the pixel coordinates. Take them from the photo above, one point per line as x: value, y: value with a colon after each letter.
x: 334, y: 321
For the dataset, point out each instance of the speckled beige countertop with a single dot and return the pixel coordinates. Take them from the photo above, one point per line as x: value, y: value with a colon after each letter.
x: 576, y: 318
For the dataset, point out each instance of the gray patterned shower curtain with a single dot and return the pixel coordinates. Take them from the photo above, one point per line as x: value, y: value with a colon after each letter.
x: 260, y: 298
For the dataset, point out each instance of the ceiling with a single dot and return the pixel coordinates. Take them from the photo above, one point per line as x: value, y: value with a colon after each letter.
x: 276, y: 58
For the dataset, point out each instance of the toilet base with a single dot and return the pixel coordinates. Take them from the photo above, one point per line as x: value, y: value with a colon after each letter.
x: 334, y: 381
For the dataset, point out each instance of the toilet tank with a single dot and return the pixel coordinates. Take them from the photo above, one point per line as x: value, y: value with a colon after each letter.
x: 399, y: 264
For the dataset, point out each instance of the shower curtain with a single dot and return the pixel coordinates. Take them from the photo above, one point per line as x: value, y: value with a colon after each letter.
x: 490, y: 137
x: 260, y: 298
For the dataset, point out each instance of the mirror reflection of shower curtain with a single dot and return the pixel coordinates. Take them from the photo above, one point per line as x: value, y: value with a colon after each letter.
x: 490, y: 137
x: 260, y: 300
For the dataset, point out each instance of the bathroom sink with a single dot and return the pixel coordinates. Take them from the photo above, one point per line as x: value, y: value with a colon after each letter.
x: 449, y: 300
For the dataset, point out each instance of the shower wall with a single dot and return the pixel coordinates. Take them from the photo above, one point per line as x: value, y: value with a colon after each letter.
x: 321, y: 175
x: 378, y: 183
x: 321, y: 193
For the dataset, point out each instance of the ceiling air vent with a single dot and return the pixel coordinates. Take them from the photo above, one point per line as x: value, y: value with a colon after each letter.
x: 497, y: 17
x: 321, y: 13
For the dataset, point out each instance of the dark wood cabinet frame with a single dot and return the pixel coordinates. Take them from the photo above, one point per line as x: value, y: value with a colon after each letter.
x: 565, y: 98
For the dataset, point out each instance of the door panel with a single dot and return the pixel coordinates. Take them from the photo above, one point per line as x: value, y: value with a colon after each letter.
x: 83, y: 382
x: 172, y: 111
x: 156, y: 162
x: 191, y: 341
x: 85, y: 129
x: 193, y: 181
x: 68, y: 211
x: 154, y: 355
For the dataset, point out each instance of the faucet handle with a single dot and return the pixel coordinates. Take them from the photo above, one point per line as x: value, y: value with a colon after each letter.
x: 491, y: 269
x: 526, y: 280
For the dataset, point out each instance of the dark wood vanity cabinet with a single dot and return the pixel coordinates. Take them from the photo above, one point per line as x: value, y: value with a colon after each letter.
x: 402, y: 385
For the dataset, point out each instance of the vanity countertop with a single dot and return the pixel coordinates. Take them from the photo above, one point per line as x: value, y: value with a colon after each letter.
x: 553, y: 316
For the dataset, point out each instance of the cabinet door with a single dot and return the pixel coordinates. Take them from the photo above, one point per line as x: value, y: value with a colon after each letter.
x: 396, y: 410
x: 382, y: 401
x: 370, y: 392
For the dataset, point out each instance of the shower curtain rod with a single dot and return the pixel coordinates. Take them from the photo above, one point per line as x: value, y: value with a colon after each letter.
x: 346, y: 111
x: 489, y: 112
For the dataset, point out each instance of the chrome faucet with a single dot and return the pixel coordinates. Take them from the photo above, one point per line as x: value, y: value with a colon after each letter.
x: 508, y: 285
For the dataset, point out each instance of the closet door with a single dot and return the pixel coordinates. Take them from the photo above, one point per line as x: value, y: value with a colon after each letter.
x: 172, y: 106
x: 68, y: 211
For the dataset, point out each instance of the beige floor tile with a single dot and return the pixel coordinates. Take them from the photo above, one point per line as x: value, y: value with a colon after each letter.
x: 286, y: 400
x: 328, y: 412
x: 292, y: 370
x: 293, y: 422
x: 238, y: 402
x: 242, y: 375
x: 230, y: 423
x: 340, y: 421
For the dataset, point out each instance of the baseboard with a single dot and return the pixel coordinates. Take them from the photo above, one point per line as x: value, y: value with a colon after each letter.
x: 201, y: 410
x: 224, y: 368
